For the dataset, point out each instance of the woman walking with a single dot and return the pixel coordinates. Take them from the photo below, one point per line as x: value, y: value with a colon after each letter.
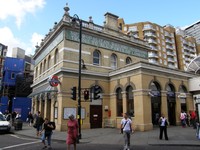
x: 72, y: 132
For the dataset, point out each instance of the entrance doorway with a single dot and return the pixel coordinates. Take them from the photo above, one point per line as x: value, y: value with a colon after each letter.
x: 172, y: 113
x: 95, y: 116
x: 155, y: 109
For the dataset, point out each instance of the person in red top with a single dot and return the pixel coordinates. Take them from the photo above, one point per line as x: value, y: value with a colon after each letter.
x: 193, y: 119
x: 72, y: 132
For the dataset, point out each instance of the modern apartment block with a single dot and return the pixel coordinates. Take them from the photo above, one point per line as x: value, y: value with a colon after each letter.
x: 186, y: 47
x: 194, y: 30
x: 169, y: 48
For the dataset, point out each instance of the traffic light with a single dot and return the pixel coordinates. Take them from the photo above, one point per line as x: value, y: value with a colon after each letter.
x: 97, y: 90
x: 73, y: 93
x: 86, y: 95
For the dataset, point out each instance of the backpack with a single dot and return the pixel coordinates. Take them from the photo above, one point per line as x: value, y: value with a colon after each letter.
x: 53, y: 124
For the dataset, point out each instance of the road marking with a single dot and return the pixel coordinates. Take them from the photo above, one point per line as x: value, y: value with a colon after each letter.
x: 18, y: 145
x: 21, y: 137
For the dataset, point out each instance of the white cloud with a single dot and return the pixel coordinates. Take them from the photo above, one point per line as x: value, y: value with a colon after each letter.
x: 11, y: 41
x: 36, y: 39
x: 19, y: 8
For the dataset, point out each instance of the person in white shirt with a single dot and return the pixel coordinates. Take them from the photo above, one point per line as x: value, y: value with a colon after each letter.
x: 163, y: 127
x: 126, y: 127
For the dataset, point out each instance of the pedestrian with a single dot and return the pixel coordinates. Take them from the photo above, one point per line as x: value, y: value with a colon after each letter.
x: 30, y: 118
x: 47, y: 127
x: 183, y: 119
x: 38, y: 123
x: 163, y: 127
x: 126, y: 128
x: 193, y: 117
x: 72, y: 132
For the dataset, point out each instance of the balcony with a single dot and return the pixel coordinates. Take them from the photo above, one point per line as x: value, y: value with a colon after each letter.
x: 153, y: 47
x: 187, y: 59
x: 151, y: 41
x: 153, y: 61
x: 170, y: 53
x: 168, y: 34
x: 170, y: 60
x: 149, y: 34
x: 152, y: 55
x: 169, y: 47
x: 148, y: 27
x: 169, y: 41
x: 187, y: 53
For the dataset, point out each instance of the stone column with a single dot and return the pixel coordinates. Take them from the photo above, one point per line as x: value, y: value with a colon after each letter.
x: 178, y: 108
x: 164, y: 104
x: 142, y: 107
x: 46, y: 107
x: 124, y: 102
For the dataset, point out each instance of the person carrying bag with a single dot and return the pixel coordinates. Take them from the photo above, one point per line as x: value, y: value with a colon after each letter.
x: 126, y: 129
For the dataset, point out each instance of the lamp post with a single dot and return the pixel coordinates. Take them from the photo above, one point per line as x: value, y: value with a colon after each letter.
x: 75, y: 18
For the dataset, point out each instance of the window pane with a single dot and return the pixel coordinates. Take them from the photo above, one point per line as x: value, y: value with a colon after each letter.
x: 96, y: 58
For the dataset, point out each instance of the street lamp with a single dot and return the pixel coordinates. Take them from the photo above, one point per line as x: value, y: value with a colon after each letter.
x: 76, y: 19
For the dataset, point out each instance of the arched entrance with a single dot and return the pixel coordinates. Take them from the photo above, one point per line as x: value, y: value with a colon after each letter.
x: 155, y: 102
x: 171, y: 104
x: 130, y: 101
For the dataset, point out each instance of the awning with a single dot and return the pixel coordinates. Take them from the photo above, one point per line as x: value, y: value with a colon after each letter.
x: 194, y: 65
x: 43, y: 89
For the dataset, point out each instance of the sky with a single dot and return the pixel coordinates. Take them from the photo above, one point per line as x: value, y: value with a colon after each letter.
x: 23, y: 23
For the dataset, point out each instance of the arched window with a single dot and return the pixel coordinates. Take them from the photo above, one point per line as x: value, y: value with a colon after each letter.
x: 130, y: 100
x: 49, y: 62
x: 36, y: 71
x: 56, y: 56
x: 128, y: 60
x: 119, y: 102
x: 113, y: 61
x: 41, y: 68
x: 96, y: 57
x: 45, y: 63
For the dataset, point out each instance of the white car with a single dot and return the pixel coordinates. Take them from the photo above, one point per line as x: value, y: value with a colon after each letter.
x: 4, y: 125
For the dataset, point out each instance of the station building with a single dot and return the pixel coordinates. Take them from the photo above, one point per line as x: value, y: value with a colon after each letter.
x: 116, y: 62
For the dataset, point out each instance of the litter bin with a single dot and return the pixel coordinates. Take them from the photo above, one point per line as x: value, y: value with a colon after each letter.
x: 18, y: 124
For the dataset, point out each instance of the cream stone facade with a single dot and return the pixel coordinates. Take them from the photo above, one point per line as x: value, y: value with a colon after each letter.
x: 116, y: 62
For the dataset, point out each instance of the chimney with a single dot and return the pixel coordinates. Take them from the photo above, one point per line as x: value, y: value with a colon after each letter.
x: 111, y: 21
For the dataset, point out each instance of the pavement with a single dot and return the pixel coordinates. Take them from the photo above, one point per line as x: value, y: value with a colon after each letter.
x: 178, y: 136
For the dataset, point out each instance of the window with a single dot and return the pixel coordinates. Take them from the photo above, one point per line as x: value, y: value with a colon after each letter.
x: 130, y: 101
x: 12, y: 75
x: 96, y: 57
x: 56, y: 57
x: 119, y: 102
x: 45, y: 63
x: 128, y: 60
x: 36, y: 72
x: 113, y: 61
x: 49, y: 62
x: 41, y: 68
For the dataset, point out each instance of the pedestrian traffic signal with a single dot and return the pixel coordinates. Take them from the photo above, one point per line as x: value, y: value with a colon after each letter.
x: 86, y: 95
x: 97, y: 90
x: 73, y: 93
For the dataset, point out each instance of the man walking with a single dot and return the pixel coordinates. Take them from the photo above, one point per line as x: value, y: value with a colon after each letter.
x: 163, y: 127
x: 126, y: 128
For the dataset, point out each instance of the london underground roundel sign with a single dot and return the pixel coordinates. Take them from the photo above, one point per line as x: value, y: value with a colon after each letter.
x: 53, y: 81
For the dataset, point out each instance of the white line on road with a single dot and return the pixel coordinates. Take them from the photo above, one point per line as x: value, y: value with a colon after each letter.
x: 21, y: 137
x: 18, y: 145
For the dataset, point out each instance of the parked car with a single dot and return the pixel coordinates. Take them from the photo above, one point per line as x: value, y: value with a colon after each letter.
x: 4, y: 124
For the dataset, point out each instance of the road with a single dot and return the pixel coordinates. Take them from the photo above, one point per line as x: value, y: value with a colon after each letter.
x: 15, y: 142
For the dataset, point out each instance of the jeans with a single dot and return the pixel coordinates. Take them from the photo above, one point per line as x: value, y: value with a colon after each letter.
x: 127, y: 135
x: 48, y: 137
